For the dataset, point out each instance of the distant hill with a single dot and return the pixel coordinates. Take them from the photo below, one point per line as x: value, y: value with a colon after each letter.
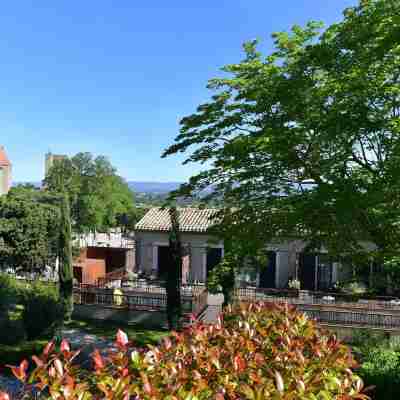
x: 138, y: 187
x: 153, y: 187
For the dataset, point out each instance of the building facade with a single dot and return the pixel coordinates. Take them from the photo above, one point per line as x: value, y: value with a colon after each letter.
x: 5, y: 172
x: 201, y: 250
x: 287, y: 259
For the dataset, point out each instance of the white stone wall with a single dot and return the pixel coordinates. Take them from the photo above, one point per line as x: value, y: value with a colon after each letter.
x: 147, y: 247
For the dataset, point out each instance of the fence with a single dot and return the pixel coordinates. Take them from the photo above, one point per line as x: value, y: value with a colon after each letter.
x: 154, y: 298
x: 333, y: 308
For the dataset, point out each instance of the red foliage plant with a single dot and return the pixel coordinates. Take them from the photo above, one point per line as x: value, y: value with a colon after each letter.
x: 254, y: 351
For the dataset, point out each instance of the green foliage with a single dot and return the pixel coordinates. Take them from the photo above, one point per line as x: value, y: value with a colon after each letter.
x: 42, y: 309
x: 381, y: 368
x: 379, y: 358
x: 305, y: 141
x: 222, y: 278
x: 29, y: 226
x: 174, y: 278
x: 257, y: 351
x: 12, y: 330
x: 99, y: 198
x: 66, y: 269
x: 26, y: 309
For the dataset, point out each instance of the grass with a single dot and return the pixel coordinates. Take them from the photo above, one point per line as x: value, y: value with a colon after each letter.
x: 140, y: 336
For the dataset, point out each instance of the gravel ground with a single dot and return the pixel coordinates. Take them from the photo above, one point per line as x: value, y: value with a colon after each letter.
x: 10, y: 385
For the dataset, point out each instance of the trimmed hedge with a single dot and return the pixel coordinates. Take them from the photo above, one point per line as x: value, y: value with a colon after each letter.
x: 42, y: 310
x: 38, y: 311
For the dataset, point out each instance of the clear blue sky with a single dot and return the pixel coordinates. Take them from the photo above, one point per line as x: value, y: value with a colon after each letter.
x: 115, y: 77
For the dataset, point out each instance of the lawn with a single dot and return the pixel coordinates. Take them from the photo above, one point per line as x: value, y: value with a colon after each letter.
x: 103, y: 329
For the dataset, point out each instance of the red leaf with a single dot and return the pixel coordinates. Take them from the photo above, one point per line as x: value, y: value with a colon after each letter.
x: 59, y: 367
x: 239, y: 364
x: 122, y: 338
x: 52, y: 372
x: 4, y: 396
x: 38, y: 361
x: 98, y: 360
x: 20, y: 371
x: 167, y: 343
x: 48, y: 349
x: 65, y: 347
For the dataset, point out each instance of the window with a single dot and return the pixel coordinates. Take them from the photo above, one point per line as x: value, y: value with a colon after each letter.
x: 325, y: 266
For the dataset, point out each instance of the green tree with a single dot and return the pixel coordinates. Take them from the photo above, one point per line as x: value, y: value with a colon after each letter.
x: 98, y: 196
x: 305, y: 140
x: 65, y: 259
x: 174, y: 276
x: 29, y: 226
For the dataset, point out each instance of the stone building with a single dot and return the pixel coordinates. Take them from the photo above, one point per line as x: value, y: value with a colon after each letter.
x: 50, y: 159
x: 286, y: 259
x: 5, y: 172
x: 201, y: 251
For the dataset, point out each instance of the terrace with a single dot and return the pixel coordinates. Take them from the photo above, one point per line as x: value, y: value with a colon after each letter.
x: 140, y: 296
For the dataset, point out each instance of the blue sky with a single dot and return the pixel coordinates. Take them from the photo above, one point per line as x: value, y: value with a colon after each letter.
x: 115, y: 77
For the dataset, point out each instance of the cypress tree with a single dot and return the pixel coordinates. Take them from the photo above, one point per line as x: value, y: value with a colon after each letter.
x: 65, y: 271
x: 174, y: 276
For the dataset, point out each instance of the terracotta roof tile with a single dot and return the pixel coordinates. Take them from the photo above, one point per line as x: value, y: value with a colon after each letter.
x: 190, y: 220
x: 4, y: 161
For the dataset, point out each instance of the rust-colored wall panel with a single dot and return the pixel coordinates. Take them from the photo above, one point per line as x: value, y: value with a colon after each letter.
x: 92, y: 270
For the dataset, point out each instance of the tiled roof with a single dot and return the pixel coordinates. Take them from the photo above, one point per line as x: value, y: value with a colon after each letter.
x: 190, y: 220
x: 4, y: 161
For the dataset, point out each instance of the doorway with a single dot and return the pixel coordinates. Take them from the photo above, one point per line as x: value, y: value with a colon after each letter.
x: 268, y: 272
x: 214, y: 257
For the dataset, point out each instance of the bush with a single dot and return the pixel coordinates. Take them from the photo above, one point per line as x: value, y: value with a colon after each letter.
x: 255, y: 351
x: 9, y: 291
x: 11, y: 330
x: 381, y: 368
x: 42, y: 309
x: 379, y: 356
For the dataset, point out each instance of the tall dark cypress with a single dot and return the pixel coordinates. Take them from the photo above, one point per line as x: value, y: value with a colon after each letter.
x: 174, y: 276
x: 65, y: 271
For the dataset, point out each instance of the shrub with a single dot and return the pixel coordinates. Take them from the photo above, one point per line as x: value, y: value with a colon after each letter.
x: 42, y: 309
x: 255, y: 351
x: 8, y: 291
x: 11, y: 330
x: 381, y: 368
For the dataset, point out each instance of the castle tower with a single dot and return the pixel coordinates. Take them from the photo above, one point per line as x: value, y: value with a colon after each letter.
x: 50, y: 159
x: 5, y: 172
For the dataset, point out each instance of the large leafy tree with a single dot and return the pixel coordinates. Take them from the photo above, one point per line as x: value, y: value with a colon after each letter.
x: 306, y: 140
x: 100, y: 199
x: 29, y: 227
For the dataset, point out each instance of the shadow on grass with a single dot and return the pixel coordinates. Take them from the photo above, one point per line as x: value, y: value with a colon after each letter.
x: 139, y: 335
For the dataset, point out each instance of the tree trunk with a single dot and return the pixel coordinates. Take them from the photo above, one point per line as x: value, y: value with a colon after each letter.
x: 174, y: 276
x: 65, y: 271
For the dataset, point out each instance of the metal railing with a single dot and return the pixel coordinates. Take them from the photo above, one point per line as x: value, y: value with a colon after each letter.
x: 333, y: 308
x: 194, y: 299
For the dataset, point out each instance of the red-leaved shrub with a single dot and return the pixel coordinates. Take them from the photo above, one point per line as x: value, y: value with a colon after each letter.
x: 255, y: 351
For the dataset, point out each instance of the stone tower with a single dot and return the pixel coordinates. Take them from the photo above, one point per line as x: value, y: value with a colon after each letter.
x: 50, y: 158
x: 5, y: 172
